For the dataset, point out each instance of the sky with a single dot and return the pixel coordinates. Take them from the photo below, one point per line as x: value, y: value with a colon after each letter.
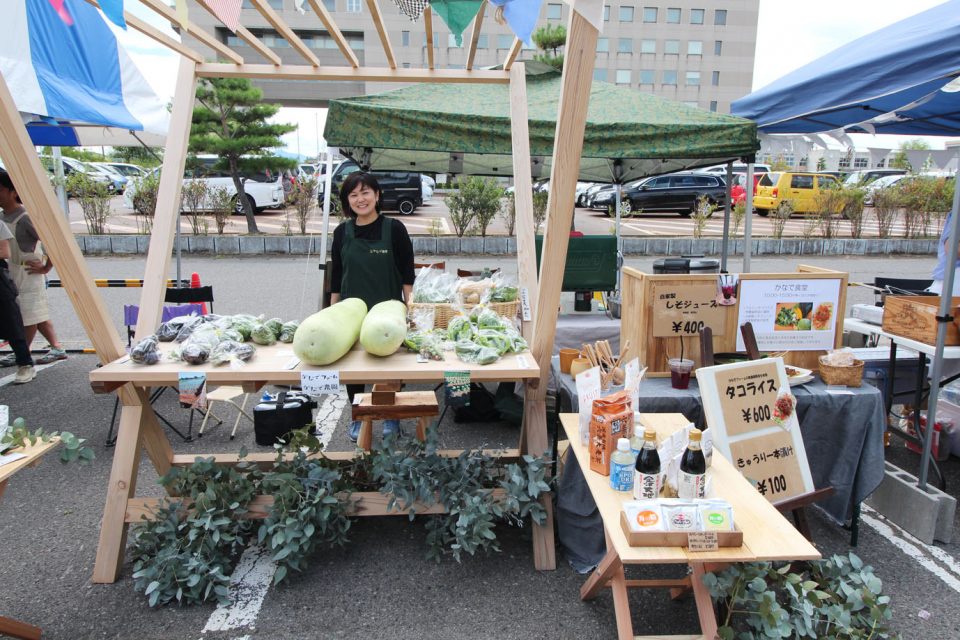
x: 790, y: 34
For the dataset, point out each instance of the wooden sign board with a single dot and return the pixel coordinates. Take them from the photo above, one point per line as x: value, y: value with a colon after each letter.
x: 686, y: 310
x: 790, y: 315
x: 739, y: 403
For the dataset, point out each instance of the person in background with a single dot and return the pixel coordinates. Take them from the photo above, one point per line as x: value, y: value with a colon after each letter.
x: 940, y: 269
x: 371, y: 259
x: 11, y: 323
x: 28, y: 265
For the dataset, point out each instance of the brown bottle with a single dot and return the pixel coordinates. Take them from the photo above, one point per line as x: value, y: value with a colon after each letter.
x: 691, y: 481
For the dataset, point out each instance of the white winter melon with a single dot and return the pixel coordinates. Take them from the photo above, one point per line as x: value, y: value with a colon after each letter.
x: 384, y: 328
x: 328, y: 335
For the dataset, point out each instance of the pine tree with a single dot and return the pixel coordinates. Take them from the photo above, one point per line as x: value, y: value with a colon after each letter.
x: 549, y: 39
x: 230, y: 121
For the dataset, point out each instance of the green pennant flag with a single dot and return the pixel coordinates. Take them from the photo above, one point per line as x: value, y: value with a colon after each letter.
x: 457, y: 14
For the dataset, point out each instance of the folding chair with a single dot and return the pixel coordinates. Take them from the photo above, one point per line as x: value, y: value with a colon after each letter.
x: 226, y: 395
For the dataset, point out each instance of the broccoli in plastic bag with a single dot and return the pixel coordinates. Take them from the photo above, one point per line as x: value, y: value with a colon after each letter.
x: 474, y: 353
x: 459, y: 328
x: 146, y: 351
x: 494, y: 339
x: 276, y: 325
x: 488, y: 319
x: 263, y: 334
x: 287, y: 331
x: 236, y: 353
x: 503, y: 294
x: 231, y: 334
x: 244, y: 325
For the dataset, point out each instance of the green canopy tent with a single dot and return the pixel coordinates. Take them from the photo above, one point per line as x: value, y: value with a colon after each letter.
x: 465, y: 129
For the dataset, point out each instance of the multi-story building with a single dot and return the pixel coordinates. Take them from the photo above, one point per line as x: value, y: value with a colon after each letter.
x: 699, y: 52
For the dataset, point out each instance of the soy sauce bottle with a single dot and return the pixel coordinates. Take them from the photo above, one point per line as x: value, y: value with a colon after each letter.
x: 691, y: 483
x: 646, y: 479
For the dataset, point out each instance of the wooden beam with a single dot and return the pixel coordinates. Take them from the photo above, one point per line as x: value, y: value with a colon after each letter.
x: 247, y: 37
x: 568, y: 145
x: 535, y: 441
x: 156, y: 35
x: 334, y: 31
x: 360, y: 74
x: 523, y: 193
x: 166, y: 217
x: 382, y: 30
x: 512, y: 54
x: 170, y: 14
x: 475, y: 36
x: 428, y: 27
x: 284, y: 30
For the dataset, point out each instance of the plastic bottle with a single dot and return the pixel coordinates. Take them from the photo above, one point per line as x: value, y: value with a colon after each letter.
x: 622, y: 467
x: 691, y: 481
x: 636, y: 442
x: 646, y: 476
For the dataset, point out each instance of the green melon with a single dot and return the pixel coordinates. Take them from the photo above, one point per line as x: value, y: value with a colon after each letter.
x: 384, y: 328
x: 328, y: 335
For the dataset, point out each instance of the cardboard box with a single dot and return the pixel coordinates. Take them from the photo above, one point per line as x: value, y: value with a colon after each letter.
x: 915, y: 317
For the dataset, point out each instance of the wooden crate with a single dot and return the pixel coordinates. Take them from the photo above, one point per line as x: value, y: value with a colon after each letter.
x: 673, y: 538
x: 915, y: 317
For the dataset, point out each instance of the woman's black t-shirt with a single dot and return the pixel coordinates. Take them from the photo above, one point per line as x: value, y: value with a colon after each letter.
x: 402, y: 249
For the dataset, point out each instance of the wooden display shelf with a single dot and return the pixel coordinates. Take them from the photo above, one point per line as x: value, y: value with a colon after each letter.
x: 276, y: 364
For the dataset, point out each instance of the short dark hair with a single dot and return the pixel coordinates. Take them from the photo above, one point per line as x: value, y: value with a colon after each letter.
x: 7, y: 181
x: 354, y: 180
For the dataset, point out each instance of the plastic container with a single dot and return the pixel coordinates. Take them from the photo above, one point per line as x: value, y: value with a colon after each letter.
x: 686, y: 264
x: 680, y: 372
x: 622, y: 464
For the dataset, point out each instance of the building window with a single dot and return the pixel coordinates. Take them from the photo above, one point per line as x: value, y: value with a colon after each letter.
x: 406, y: 65
x: 649, y: 14
x: 717, y: 47
x: 483, y: 41
x: 504, y: 41
x: 695, y: 48
x: 603, y: 45
x: 671, y: 46
x: 600, y: 74
x: 696, y: 16
x: 648, y: 46
x: 404, y: 38
x: 355, y: 42
x: 233, y: 41
x: 553, y: 11
x: 623, y: 76
x: 860, y: 163
x: 881, y: 163
x: 713, y: 105
x: 330, y: 5
x: 844, y: 163
x: 606, y: 13
x: 693, y: 78
x: 625, y: 45
x: 274, y: 4
x: 436, y: 39
x: 353, y: 6
x: 673, y: 16
x: 715, y: 80
x: 646, y: 76
x: 669, y: 77
x: 626, y: 14
x: 720, y: 17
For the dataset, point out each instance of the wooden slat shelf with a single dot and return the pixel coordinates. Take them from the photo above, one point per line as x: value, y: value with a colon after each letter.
x: 276, y: 364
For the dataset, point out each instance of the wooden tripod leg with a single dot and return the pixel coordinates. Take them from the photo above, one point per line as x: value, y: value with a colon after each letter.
x: 122, y: 486
x: 365, y: 440
x: 535, y: 420
x: 17, y: 629
x: 601, y: 575
x: 422, y: 423
x: 701, y: 595
x: 621, y: 605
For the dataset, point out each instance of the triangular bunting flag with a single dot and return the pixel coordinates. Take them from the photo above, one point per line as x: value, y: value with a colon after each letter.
x: 458, y: 14
x: 521, y: 15
x: 413, y: 9
x: 113, y: 9
x: 228, y: 11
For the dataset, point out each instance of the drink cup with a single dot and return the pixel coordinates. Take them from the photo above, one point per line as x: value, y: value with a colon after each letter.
x: 567, y: 356
x: 680, y: 372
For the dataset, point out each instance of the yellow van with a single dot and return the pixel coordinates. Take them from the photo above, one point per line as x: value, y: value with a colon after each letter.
x: 800, y: 188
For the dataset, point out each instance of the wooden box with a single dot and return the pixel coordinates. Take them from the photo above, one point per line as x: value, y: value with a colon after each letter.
x: 915, y: 317
x: 673, y: 538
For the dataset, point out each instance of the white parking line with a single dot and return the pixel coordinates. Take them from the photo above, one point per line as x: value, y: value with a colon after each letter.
x: 5, y: 380
x: 249, y: 583
x: 328, y: 416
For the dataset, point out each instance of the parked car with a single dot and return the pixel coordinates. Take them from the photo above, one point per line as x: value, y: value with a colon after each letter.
x: 604, y: 197
x: 400, y: 190
x: 118, y: 181
x: 586, y: 199
x: 878, y: 184
x: 738, y: 192
x: 307, y: 170
x: 801, y: 189
x: 428, y: 184
x: 737, y: 168
x: 71, y: 166
x: 675, y: 192
x: 126, y: 169
x: 860, y: 178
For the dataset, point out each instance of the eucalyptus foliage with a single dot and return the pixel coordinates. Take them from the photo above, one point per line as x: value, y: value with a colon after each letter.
x: 836, y: 598
x: 72, y: 447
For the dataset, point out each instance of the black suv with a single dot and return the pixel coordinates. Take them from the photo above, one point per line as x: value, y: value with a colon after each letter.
x: 400, y: 190
x: 675, y: 192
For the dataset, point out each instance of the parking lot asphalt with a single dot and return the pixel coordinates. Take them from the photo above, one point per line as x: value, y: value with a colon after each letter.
x: 380, y: 585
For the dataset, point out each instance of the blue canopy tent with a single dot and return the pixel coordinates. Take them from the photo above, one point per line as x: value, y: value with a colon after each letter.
x: 903, y: 79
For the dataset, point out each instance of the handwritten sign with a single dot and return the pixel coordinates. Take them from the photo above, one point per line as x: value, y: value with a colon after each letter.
x: 319, y: 383
x: 752, y: 429
x: 684, y: 310
x: 702, y: 541
x: 525, y: 311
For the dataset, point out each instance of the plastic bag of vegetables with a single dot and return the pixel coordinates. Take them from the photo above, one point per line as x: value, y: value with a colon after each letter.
x: 263, y: 334
x: 473, y: 353
x: 146, y: 351
x: 287, y: 331
x: 494, y: 339
x: 459, y: 328
x: 489, y: 319
x: 244, y: 324
x: 426, y: 343
x: 433, y: 286
x: 197, y: 348
x: 236, y: 353
x: 275, y: 325
x: 167, y: 332
x: 191, y: 324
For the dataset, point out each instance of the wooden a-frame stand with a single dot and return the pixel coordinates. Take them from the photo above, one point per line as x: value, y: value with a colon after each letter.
x: 139, y: 429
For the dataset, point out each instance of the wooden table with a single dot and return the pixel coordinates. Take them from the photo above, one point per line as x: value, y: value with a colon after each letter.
x: 271, y: 365
x: 767, y: 535
x: 9, y: 626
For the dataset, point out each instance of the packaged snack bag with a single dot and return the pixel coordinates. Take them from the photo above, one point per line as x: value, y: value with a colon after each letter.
x: 611, y: 418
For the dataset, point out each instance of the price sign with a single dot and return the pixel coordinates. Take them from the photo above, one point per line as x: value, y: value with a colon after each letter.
x: 319, y: 383
x: 525, y: 311
x: 748, y: 396
x: 739, y: 402
x: 685, y: 310
x: 702, y: 541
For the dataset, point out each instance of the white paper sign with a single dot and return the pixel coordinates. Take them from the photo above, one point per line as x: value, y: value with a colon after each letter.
x: 318, y: 383
x: 631, y: 383
x: 525, y: 304
x: 588, y: 390
x: 790, y: 314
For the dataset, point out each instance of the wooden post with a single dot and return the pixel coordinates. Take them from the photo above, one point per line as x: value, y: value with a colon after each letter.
x: 523, y: 191
x: 168, y: 201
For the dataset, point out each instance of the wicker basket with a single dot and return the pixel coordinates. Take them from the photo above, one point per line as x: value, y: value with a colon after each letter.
x: 850, y: 376
x: 444, y: 312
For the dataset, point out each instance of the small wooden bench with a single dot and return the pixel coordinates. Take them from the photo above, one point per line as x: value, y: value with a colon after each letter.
x: 386, y: 402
